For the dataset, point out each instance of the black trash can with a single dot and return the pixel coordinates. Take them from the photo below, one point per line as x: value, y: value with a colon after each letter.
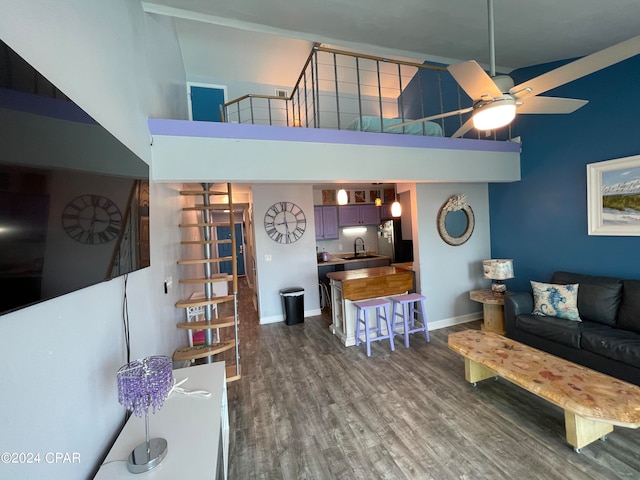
x: 293, y: 305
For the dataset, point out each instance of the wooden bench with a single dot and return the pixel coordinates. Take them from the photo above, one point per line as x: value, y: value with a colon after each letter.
x: 593, y: 402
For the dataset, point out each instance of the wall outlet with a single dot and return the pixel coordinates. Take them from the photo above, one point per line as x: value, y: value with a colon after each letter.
x: 267, y: 257
x: 340, y: 247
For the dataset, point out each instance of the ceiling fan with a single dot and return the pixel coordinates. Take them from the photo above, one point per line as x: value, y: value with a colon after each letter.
x: 496, y: 100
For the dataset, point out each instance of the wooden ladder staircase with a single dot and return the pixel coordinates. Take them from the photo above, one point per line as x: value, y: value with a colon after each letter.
x: 206, y: 300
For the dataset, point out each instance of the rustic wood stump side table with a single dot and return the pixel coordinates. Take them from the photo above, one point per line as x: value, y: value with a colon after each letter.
x: 493, y: 309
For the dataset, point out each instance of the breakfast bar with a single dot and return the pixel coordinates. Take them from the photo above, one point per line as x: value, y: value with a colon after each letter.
x: 363, y: 284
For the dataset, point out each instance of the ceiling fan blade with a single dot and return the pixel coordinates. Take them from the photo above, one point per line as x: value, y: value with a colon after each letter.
x: 474, y: 80
x: 466, y: 126
x: 579, y: 68
x: 432, y: 117
x: 550, y: 105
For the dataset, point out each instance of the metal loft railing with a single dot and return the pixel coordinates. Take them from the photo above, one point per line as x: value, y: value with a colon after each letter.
x: 342, y: 90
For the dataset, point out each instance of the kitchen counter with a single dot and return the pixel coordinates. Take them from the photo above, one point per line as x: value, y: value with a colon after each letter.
x: 339, y: 260
x: 374, y: 282
x: 405, y: 265
x: 366, y: 283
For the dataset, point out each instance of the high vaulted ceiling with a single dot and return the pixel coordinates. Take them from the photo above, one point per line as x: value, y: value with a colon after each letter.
x: 214, y: 34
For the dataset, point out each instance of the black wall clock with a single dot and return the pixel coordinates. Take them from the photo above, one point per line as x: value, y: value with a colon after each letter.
x: 92, y: 219
x: 285, y: 222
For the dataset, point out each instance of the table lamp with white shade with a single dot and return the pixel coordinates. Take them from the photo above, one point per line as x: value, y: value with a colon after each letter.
x: 498, y: 270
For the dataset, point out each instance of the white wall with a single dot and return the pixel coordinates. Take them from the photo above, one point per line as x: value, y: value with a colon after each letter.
x: 61, y: 356
x: 291, y: 265
x: 275, y: 160
x: 447, y: 273
x: 346, y: 241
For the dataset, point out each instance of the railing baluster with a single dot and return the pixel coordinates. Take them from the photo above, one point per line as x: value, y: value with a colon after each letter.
x: 251, y: 109
x: 400, y: 95
x: 306, y: 102
x: 359, y: 96
x: 286, y: 112
x: 314, y: 91
x: 299, y: 112
x: 269, y: 108
x: 335, y: 75
x: 379, y: 96
x: 441, y: 102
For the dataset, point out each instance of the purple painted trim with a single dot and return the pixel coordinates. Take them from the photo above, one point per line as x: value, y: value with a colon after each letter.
x: 45, y: 106
x: 185, y: 128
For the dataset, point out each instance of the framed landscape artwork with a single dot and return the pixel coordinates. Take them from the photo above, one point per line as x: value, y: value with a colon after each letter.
x: 613, y: 197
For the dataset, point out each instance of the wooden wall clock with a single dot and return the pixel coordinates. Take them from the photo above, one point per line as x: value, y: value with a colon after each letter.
x: 285, y: 222
x: 92, y: 219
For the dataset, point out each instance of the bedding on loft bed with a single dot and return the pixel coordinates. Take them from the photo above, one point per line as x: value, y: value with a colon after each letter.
x: 372, y: 124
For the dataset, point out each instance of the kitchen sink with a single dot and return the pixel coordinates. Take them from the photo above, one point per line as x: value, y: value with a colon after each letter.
x: 360, y: 257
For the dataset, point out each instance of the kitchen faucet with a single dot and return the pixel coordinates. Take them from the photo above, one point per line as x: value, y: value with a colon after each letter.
x: 355, y: 246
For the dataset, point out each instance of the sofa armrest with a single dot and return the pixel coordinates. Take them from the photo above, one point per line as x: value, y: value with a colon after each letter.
x: 516, y: 303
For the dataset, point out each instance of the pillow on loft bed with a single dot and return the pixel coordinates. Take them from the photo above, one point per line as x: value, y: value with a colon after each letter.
x: 372, y: 124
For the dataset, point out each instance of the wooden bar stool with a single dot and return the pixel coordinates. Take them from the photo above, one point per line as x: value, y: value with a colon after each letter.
x: 381, y: 312
x: 407, y: 307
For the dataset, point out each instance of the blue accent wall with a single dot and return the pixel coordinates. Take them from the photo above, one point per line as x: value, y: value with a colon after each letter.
x: 431, y: 92
x: 541, y: 221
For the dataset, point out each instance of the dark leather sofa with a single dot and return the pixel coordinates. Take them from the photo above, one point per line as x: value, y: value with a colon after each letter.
x: 608, y: 337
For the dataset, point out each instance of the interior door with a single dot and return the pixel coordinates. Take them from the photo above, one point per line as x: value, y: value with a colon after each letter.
x: 224, y: 249
x: 206, y: 101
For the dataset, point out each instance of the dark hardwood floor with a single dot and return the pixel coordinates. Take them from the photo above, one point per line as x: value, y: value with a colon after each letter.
x: 309, y: 408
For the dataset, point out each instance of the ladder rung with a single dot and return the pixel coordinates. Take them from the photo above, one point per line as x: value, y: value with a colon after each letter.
x: 203, y: 192
x: 205, y: 242
x: 197, y: 208
x: 196, y: 261
x: 201, y: 351
x: 203, y: 324
x: 214, y: 279
x: 231, y: 374
x: 201, y: 302
x: 205, y: 224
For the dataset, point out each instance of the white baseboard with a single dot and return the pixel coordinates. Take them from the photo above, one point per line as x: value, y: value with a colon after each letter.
x: 280, y: 318
x: 449, y: 322
x: 446, y: 322
x: 273, y: 319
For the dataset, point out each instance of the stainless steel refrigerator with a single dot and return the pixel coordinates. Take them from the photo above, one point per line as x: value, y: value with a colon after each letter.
x: 386, y: 240
x: 390, y: 242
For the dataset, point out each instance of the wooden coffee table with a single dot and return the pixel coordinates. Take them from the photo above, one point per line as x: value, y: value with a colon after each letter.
x: 593, y: 402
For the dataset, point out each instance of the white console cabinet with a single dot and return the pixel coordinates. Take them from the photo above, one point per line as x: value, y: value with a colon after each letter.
x: 196, y: 430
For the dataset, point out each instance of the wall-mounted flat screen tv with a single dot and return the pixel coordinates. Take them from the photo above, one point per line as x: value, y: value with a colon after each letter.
x: 74, y: 201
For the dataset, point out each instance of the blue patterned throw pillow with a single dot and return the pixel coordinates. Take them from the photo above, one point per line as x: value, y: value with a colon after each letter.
x: 554, y: 300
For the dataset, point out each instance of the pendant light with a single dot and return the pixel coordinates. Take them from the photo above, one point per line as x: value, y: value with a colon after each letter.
x: 343, y: 199
x: 396, y: 209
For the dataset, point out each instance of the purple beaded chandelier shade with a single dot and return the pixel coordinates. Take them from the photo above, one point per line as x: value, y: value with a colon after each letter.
x: 145, y: 383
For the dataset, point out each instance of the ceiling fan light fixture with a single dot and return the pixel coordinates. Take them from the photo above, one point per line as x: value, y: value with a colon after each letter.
x: 494, y: 115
